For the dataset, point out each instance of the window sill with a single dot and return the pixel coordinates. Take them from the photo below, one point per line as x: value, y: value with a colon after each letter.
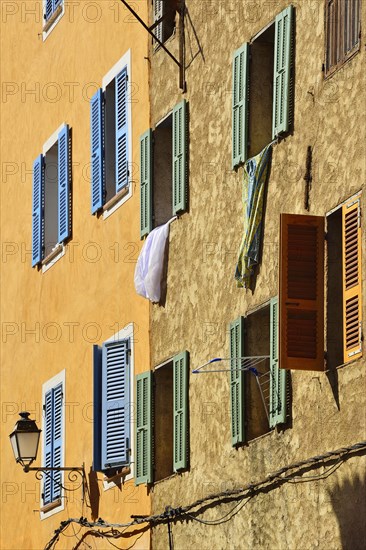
x: 51, y: 506
x: 57, y: 253
x: 115, y: 202
x: 56, y: 14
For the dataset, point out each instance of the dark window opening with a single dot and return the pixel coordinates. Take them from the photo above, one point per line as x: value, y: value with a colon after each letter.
x: 51, y: 199
x: 163, y: 422
x: 110, y: 141
x: 163, y: 174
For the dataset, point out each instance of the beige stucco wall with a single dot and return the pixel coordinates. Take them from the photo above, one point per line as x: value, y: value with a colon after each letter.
x: 202, y: 297
x: 88, y: 295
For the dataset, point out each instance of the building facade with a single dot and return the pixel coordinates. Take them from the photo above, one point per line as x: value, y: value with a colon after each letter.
x: 74, y: 332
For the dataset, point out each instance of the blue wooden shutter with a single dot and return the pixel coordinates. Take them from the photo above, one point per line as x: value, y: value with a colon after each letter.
x: 97, y: 408
x: 282, y: 74
x: 237, y: 381
x: 146, y: 167
x: 97, y: 152
x: 179, y: 147
x: 37, y: 210
x: 57, y: 441
x: 144, y: 461
x: 180, y: 400
x: 121, y: 131
x: 240, y: 104
x: 58, y: 3
x: 277, y: 395
x: 115, y: 404
x: 49, y: 8
x: 63, y: 185
x: 47, y: 460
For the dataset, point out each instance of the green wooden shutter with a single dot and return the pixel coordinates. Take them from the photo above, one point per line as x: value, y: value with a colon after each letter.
x: 237, y: 382
x: 144, y: 465
x: 277, y: 396
x: 179, y: 146
x: 282, y: 74
x: 240, y: 104
x: 146, y: 166
x: 180, y: 365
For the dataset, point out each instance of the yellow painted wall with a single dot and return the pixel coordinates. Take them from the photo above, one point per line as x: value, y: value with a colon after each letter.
x: 88, y: 295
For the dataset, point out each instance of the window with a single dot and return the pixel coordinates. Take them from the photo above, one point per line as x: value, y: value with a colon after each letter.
x: 258, y: 393
x: 52, y: 12
x: 162, y: 420
x: 53, y: 438
x: 51, y: 222
x: 166, y: 28
x: 343, y: 32
x: 302, y: 288
x: 112, y: 404
x: 263, y: 88
x: 110, y: 139
x: 164, y: 170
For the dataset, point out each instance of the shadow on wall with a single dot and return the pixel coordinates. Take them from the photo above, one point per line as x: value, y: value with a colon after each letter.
x: 349, y: 504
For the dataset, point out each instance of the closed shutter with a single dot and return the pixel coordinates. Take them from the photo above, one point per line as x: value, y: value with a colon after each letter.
x: 277, y: 395
x: 97, y: 408
x: 47, y: 481
x: 49, y: 8
x: 352, y: 306
x: 179, y: 146
x: 301, y: 298
x: 97, y: 152
x: 144, y: 466
x: 63, y: 185
x: 282, y: 74
x: 115, y: 404
x: 121, y: 131
x: 237, y: 381
x: 53, y: 444
x: 158, y: 14
x: 240, y: 104
x: 37, y: 211
x: 180, y: 401
x: 146, y: 165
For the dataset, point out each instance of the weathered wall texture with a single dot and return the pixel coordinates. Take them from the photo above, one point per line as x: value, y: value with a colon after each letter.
x: 202, y: 297
x: 88, y: 295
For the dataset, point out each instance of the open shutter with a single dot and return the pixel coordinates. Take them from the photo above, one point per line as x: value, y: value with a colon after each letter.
x: 237, y: 381
x: 63, y: 185
x: 57, y: 441
x: 144, y: 466
x: 180, y: 366
x: 240, y: 104
x: 121, y: 131
x: 115, y: 404
x: 37, y: 210
x: 352, y: 306
x: 47, y: 434
x: 97, y: 408
x: 97, y: 152
x: 282, y: 74
x: 158, y: 14
x: 146, y: 183
x: 180, y: 157
x: 301, y: 298
x: 277, y: 395
x: 49, y: 8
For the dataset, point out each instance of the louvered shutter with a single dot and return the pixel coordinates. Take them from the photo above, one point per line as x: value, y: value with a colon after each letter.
x: 277, y: 389
x: 144, y: 466
x: 97, y: 151
x: 282, y: 74
x: 37, y: 211
x: 301, y: 299
x: 158, y: 13
x: 97, y: 408
x: 63, y: 185
x: 240, y: 105
x: 180, y: 157
x: 115, y: 404
x: 58, y: 3
x: 146, y: 165
x: 352, y: 279
x: 180, y: 403
x: 237, y: 381
x: 47, y: 434
x: 57, y: 441
x: 121, y: 131
x: 49, y: 8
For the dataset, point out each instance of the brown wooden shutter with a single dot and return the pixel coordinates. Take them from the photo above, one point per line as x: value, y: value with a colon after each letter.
x: 352, y: 307
x: 302, y: 292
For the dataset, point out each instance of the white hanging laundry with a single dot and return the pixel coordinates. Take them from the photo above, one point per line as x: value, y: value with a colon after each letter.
x: 150, y: 263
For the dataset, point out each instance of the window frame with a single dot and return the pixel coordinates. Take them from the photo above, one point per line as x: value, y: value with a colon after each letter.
x: 50, y: 24
x: 52, y: 383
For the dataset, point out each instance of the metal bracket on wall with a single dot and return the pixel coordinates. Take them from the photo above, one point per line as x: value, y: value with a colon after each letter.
x: 181, y: 62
